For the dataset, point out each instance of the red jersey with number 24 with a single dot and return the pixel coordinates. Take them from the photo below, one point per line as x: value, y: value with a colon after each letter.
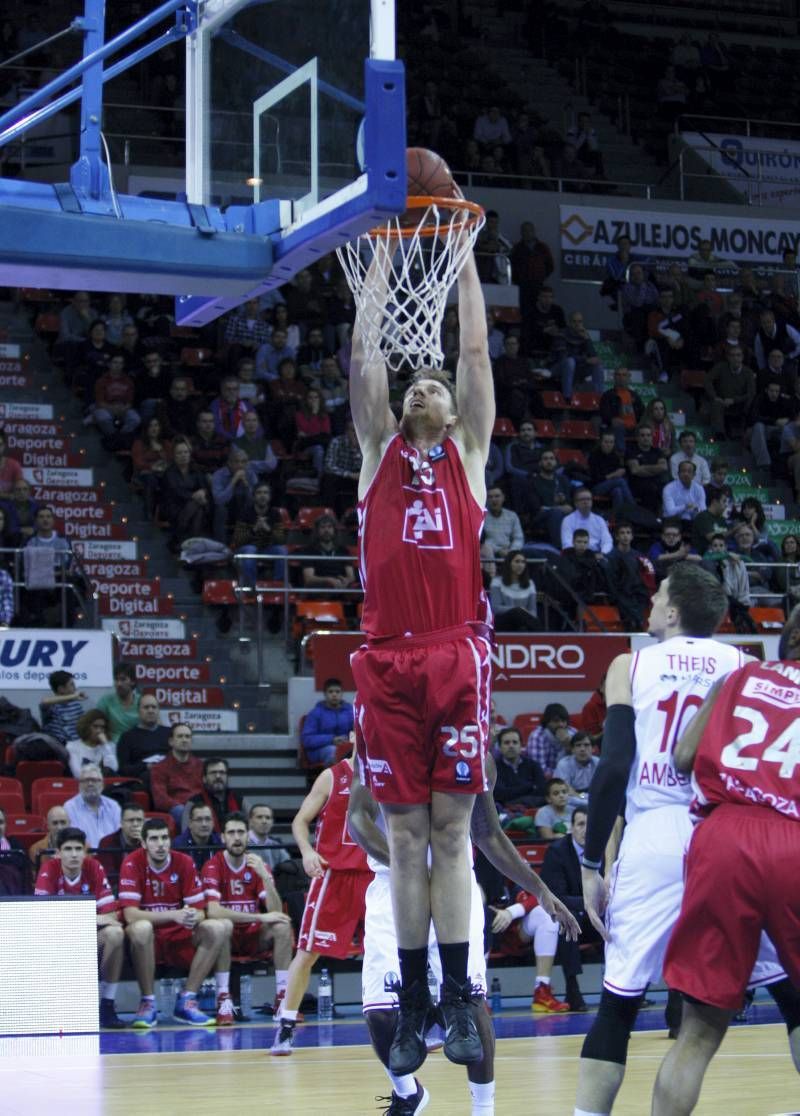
x: 332, y: 839
x: 419, y: 531
x: 750, y: 750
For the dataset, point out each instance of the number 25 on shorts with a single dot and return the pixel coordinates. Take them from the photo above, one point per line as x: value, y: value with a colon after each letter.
x: 464, y: 743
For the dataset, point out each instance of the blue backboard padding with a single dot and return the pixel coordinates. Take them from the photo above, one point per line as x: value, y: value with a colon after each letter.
x: 54, y: 249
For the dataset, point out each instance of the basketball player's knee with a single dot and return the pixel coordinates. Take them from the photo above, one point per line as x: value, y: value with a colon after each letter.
x: 113, y: 937
x: 140, y: 933
x: 608, y: 1039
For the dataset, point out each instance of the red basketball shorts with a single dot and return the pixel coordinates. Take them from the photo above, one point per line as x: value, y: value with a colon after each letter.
x: 174, y: 945
x: 334, y: 912
x: 422, y: 715
x: 245, y: 939
x: 741, y: 878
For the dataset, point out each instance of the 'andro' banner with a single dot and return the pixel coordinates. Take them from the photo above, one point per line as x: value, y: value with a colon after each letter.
x: 746, y: 162
x: 28, y: 656
x: 589, y: 233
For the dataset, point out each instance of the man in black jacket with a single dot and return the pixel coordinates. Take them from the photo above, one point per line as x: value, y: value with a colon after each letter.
x: 561, y: 871
x: 520, y: 781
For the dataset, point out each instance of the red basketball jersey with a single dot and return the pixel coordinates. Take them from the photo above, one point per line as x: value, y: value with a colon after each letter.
x: 92, y: 881
x: 240, y: 889
x: 333, y: 840
x: 175, y: 885
x: 419, y: 529
x: 750, y: 750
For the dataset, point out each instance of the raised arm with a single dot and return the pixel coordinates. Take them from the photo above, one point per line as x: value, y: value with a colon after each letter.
x: 369, y: 384
x: 474, y: 384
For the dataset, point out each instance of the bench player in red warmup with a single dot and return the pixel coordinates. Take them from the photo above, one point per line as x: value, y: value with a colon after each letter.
x: 334, y: 910
x: 741, y: 871
x: 164, y: 907
x: 72, y: 872
x: 239, y: 887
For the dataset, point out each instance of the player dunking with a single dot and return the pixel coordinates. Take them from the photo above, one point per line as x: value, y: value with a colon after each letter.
x: 423, y: 675
x: 741, y: 872
x: 651, y: 697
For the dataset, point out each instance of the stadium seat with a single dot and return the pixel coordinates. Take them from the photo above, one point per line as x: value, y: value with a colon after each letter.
x: 17, y: 824
x: 10, y: 785
x: 307, y: 517
x: 525, y: 723
x: 585, y: 401
x: 12, y: 802
x: 602, y: 617
x: 576, y: 430
x: 219, y: 592
x: 57, y: 790
x: 544, y: 428
x: 196, y: 357
x: 532, y: 854
x: 28, y: 771
x: 47, y: 323
x: 768, y: 619
x: 566, y: 456
x: 503, y: 428
x: 554, y: 401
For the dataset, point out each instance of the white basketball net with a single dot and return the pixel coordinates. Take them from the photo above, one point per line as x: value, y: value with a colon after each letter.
x: 400, y: 279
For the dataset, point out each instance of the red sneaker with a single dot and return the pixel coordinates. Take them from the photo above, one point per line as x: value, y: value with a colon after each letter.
x: 544, y: 1000
x: 224, y: 1010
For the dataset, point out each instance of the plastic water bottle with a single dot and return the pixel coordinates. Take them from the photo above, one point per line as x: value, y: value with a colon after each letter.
x: 246, y: 996
x: 496, y: 1002
x: 324, y: 998
x: 207, y: 998
x: 165, y: 996
x: 433, y: 986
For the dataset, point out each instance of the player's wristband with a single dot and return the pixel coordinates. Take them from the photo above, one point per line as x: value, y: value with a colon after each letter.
x: 592, y: 865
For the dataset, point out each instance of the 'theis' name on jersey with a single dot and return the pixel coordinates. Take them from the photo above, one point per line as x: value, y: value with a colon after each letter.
x: 704, y: 664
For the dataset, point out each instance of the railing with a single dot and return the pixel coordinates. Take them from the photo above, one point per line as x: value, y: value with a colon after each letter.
x: 748, y: 184
x: 70, y: 578
x: 739, y: 125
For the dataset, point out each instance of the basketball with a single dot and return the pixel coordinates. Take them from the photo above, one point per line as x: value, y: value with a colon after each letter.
x: 428, y: 175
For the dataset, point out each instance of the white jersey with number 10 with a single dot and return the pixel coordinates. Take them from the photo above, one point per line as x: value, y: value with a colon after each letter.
x: 669, y: 682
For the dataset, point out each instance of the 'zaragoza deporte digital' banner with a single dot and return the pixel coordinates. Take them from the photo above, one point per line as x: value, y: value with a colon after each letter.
x: 589, y: 234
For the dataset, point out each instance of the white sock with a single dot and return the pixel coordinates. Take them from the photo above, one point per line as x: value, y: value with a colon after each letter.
x: 585, y: 1112
x: 223, y: 982
x: 482, y: 1098
x: 543, y: 980
x: 288, y: 1016
x: 281, y: 980
x: 405, y: 1086
x: 108, y: 989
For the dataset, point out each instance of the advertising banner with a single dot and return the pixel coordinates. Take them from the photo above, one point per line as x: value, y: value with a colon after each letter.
x: 157, y: 649
x: 746, y: 161
x: 109, y: 569
x: 44, y: 459
x: 148, y: 674
x: 78, y: 529
x: 37, y: 442
x: 134, y: 605
x: 589, y: 233
x: 520, y: 662
x: 203, y: 720
x: 191, y: 697
x: 141, y: 628
x: 59, y: 478
x: 105, y: 549
x: 67, y: 496
x: 43, y: 411
x: 28, y: 656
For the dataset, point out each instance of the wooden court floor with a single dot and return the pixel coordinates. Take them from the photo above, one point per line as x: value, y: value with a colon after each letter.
x: 751, y: 1076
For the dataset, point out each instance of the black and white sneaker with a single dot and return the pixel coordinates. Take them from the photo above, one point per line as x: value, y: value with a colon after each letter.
x: 462, y: 1043
x: 414, y: 1015
x: 406, y: 1106
x: 284, y: 1039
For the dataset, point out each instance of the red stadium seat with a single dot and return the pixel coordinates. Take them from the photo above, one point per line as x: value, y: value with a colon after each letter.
x: 25, y: 823
x: 566, y: 456
x: 219, y: 592
x: 576, y: 430
x: 602, y: 617
x: 58, y: 790
x: 9, y: 785
x: 525, y: 723
x: 503, y: 428
x: 768, y: 619
x: 28, y: 771
x: 554, y: 401
x: 585, y: 401
x: 12, y: 802
x: 544, y: 428
x: 307, y: 517
x: 533, y: 854
x: 195, y: 357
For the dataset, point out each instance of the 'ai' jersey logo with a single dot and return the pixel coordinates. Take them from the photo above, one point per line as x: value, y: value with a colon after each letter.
x: 427, y: 520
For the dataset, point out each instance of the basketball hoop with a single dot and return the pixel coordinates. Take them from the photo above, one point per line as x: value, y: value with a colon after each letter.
x: 400, y: 274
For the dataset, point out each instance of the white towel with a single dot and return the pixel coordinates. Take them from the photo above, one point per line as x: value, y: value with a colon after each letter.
x: 40, y: 567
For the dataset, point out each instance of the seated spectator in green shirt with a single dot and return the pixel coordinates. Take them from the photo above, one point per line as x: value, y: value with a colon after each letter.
x: 122, y: 706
